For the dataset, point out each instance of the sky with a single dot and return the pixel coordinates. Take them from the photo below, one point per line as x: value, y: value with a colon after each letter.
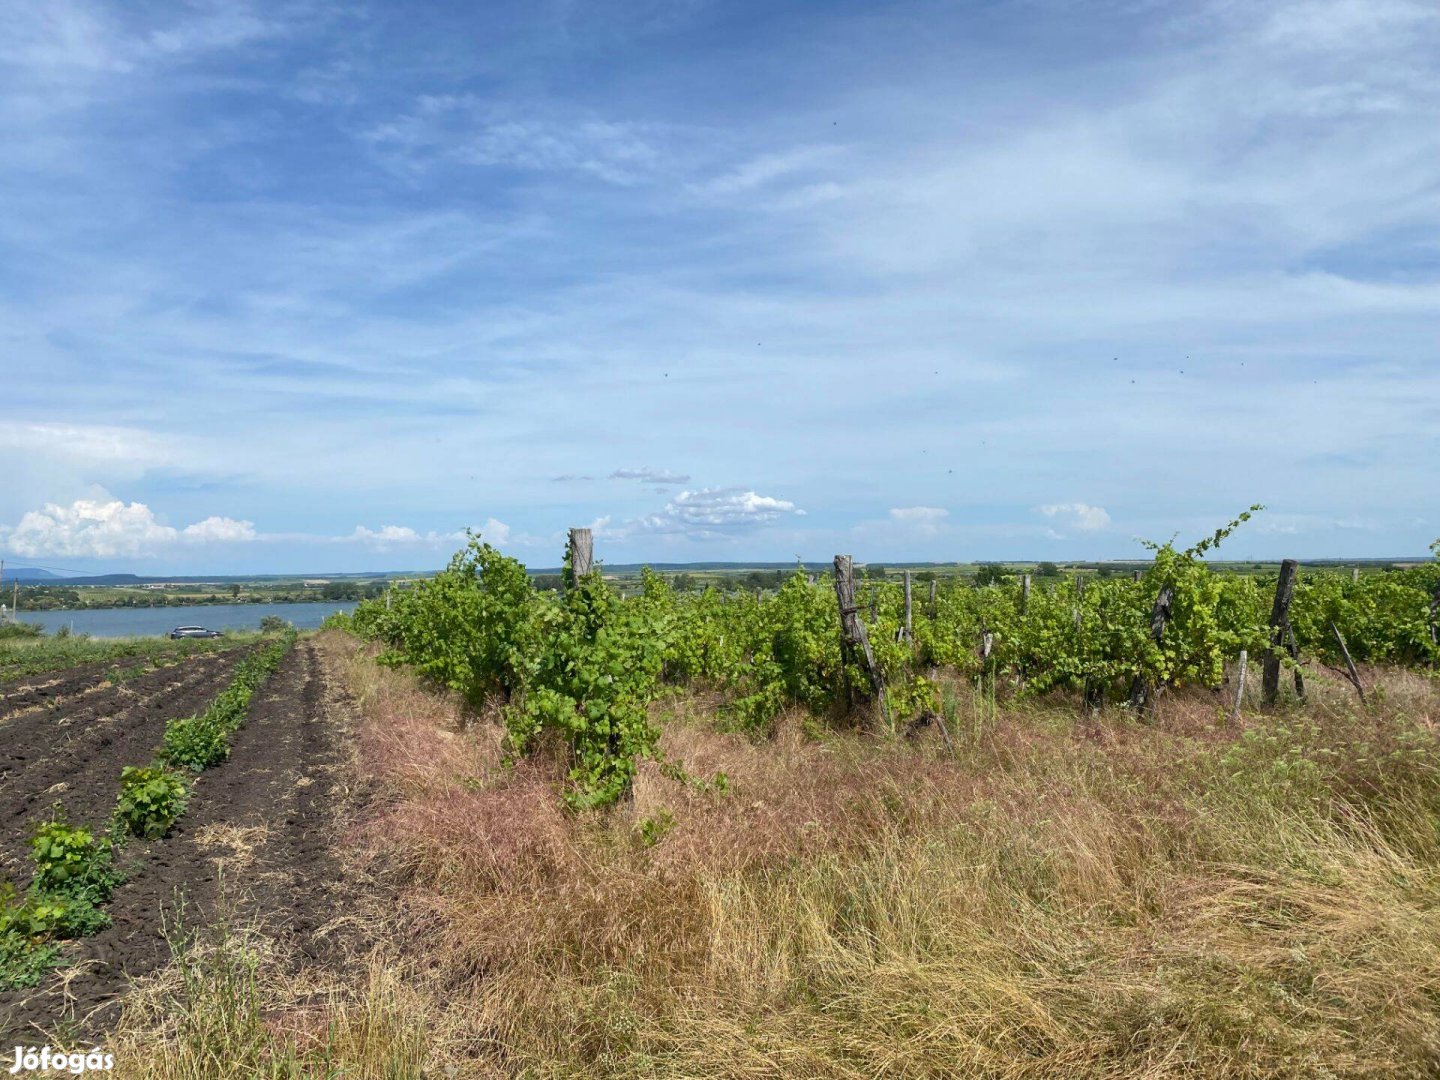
x: 319, y: 286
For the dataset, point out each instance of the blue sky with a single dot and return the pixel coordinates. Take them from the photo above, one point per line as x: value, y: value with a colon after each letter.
x: 313, y: 286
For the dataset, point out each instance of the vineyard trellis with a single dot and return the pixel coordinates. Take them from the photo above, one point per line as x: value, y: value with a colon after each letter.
x: 584, y: 665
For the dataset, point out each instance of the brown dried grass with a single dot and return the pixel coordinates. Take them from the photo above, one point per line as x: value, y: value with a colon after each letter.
x: 1065, y: 896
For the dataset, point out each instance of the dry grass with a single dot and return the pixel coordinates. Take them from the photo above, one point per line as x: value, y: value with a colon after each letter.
x: 1064, y: 897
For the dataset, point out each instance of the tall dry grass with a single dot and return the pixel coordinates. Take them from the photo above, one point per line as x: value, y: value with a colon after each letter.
x: 1062, y: 897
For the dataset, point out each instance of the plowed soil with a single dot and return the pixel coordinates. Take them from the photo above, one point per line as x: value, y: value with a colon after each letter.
x: 258, y: 838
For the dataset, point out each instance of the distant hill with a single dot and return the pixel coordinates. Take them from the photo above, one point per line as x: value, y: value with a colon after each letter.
x: 29, y: 574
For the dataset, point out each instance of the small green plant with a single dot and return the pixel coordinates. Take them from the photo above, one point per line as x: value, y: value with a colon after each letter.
x: 195, y: 743
x: 152, y: 798
x: 71, y: 861
x: 24, y: 957
x: 651, y: 830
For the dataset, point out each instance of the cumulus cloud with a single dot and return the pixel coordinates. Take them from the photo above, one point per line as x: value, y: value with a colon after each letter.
x: 1077, y: 515
x: 221, y: 529
x: 88, y: 527
x: 106, y: 528
x: 386, y: 534
x: 711, y: 512
x: 650, y: 476
x: 496, y: 532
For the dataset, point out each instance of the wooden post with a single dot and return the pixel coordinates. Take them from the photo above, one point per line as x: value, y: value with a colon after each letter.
x: 934, y: 602
x: 1136, y: 575
x: 1349, y: 663
x: 854, y: 642
x: 909, y: 626
x: 1239, y: 687
x: 582, y: 553
x: 1024, y: 593
x: 1279, y: 631
x: 1354, y: 574
x: 1141, y: 699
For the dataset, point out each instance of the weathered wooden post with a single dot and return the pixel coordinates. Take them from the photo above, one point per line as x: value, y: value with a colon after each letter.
x: 1349, y: 663
x: 1024, y: 593
x: 854, y: 642
x: 1136, y: 575
x: 909, y: 626
x: 1279, y: 631
x: 1239, y: 687
x: 934, y: 603
x: 1141, y: 699
x: 1354, y: 574
x: 582, y: 553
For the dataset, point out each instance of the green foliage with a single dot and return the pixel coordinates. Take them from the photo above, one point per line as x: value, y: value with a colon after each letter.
x: 73, y: 875
x: 195, y: 743
x: 470, y: 628
x: 273, y: 624
x: 990, y: 574
x: 71, y: 861
x: 152, y: 798
x: 21, y: 658
x: 593, y: 683
x: 21, y: 631
x: 651, y: 830
x: 586, y: 665
x: 201, y: 742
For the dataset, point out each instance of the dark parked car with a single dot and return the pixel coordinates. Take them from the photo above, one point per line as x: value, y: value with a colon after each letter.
x: 193, y: 631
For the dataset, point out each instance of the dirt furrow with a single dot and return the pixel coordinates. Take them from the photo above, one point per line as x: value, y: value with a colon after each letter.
x: 258, y: 840
x: 76, y: 756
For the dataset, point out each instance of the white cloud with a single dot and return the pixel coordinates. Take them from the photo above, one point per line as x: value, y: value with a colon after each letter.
x: 106, y: 528
x: 91, y: 528
x: 468, y: 130
x: 650, y: 476
x: 1077, y: 515
x: 386, y: 535
x: 921, y: 514
x: 704, y: 514
x: 223, y: 529
x: 496, y: 532
x: 94, y: 444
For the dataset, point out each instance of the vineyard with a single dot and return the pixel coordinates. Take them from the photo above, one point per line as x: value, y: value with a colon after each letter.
x: 585, y: 663
x: 1008, y: 827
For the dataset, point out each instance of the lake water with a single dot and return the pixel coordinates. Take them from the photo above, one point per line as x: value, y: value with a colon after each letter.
x: 133, y: 622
